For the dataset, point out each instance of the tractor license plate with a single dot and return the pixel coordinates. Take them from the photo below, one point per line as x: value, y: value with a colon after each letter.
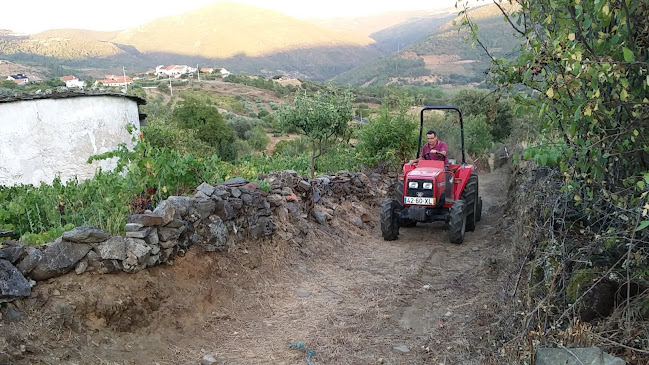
x: 419, y: 201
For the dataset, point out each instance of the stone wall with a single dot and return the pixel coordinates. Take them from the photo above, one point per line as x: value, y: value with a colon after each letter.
x: 215, y: 218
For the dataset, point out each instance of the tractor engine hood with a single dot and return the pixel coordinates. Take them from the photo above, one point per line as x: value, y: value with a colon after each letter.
x: 427, y: 173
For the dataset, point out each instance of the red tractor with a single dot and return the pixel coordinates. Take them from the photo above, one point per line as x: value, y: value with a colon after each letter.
x: 430, y: 191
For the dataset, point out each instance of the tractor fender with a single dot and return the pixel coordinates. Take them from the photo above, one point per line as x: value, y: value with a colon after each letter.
x: 460, y: 180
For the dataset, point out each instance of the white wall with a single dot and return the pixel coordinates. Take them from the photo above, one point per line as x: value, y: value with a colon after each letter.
x: 42, y: 138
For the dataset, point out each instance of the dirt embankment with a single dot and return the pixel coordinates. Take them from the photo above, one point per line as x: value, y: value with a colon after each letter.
x: 344, y: 292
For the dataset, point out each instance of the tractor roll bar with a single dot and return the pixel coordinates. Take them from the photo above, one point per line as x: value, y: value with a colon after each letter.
x: 441, y: 107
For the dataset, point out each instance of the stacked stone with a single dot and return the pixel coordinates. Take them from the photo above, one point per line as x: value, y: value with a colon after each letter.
x: 142, y: 246
x: 216, y: 218
x: 335, y: 188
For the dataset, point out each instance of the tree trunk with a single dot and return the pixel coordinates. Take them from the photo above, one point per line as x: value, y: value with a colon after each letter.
x: 313, y: 156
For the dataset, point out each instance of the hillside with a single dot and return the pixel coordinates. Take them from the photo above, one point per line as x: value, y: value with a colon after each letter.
x: 412, y: 30
x: 77, y: 34
x: 442, y: 58
x: 10, y: 68
x: 239, y: 37
x: 61, y: 48
x: 368, y: 25
x: 223, y: 30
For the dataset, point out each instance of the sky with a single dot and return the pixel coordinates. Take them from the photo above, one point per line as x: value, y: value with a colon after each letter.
x: 40, y: 15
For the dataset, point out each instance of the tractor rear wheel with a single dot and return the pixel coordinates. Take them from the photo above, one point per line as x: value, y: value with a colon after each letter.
x: 470, y: 196
x: 389, y: 221
x: 457, y: 222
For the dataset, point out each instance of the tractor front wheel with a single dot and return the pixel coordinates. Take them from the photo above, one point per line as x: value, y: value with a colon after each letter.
x: 470, y: 196
x: 389, y: 221
x: 457, y: 222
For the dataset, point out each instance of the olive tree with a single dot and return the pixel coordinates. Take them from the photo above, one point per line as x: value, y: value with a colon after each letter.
x: 323, y: 117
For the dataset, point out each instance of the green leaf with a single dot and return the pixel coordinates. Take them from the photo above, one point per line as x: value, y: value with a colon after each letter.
x: 543, y: 159
x: 628, y: 55
x: 642, y: 225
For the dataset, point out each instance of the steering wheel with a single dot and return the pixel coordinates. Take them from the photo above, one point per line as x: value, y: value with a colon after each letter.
x: 436, y: 153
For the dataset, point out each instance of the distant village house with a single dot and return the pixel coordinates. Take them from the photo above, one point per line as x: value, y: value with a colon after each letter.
x: 177, y: 71
x: 19, y: 79
x: 114, y: 80
x: 72, y: 82
x: 220, y: 71
x: 174, y: 71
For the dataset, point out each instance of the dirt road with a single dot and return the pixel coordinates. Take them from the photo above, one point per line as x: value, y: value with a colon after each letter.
x: 349, y: 295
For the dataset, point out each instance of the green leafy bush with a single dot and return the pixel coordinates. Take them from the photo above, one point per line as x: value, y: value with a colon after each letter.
x: 257, y: 138
x: 208, y: 125
x: 291, y: 147
x: 389, y: 140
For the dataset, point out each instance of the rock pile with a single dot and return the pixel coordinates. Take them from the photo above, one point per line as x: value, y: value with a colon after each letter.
x: 215, y: 218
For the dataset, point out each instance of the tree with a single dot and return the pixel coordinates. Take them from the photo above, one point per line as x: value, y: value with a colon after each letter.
x: 322, y: 117
x: 582, y: 68
x: 209, y: 125
x: 390, y: 139
x: 497, y: 112
x: 8, y: 84
x: 54, y: 82
x: 90, y: 82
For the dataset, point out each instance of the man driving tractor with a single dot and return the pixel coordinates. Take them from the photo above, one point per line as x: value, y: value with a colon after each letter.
x: 433, y: 150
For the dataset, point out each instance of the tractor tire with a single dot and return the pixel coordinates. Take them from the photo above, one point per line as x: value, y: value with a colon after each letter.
x: 457, y: 222
x: 478, y: 211
x: 389, y: 221
x: 398, y: 195
x: 404, y: 222
x: 470, y: 196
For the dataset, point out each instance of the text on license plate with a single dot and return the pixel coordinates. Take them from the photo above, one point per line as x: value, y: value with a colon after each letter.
x: 419, y: 201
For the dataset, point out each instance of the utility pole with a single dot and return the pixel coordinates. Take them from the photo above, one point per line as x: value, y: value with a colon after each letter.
x: 397, y: 60
x: 170, y: 88
x: 125, y: 83
x: 198, y: 70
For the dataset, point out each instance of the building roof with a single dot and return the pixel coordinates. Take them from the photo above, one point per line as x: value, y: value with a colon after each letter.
x: 68, y: 94
x: 18, y: 76
x: 68, y: 78
x: 115, y: 79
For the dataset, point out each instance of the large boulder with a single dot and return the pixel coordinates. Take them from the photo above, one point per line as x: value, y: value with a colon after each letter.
x: 576, y: 356
x: 11, y: 251
x: 86, y: 235
x: 59, y: 257
x: 202, y: 208
x: 29, y: 261
x: 217, y: 234
x: 113, y: 249
x: 13, y: 284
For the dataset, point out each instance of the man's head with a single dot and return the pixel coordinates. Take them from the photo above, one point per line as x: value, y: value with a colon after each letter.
x: 431, y: 136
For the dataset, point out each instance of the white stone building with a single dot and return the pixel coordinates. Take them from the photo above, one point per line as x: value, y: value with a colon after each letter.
x: 48, y: 135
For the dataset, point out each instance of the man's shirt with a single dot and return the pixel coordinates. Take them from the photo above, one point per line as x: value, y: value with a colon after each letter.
x: 440, y: 146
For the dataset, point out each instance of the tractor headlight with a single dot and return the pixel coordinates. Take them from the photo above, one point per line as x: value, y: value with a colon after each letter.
x: 428, y: 185
x: 413, y: 184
